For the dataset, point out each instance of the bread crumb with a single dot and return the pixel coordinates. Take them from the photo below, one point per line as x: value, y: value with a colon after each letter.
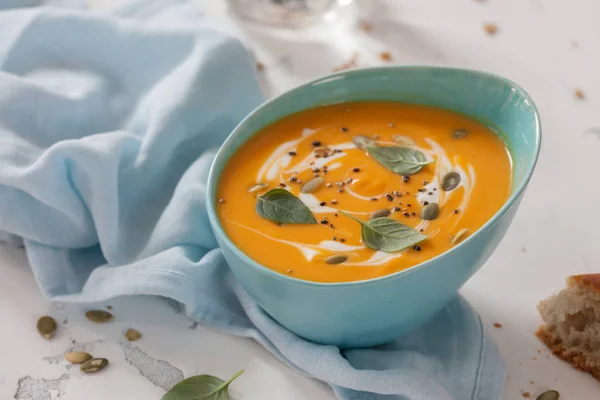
x: 497, y: 325
x: 526, y: 394
x: 365, y: 26
x: 523, y: 249
x: 490, y: 29
x: 534, y: 358
x: 385, y: 56
x: 570, y: 329
x: 532, y: 382
x: 539, y: 351
x: 260, y: 67
x: 579, y: 94
x: 351, y: 63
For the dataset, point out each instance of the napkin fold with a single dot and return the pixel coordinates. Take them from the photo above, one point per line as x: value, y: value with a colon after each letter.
x: 108, y: 126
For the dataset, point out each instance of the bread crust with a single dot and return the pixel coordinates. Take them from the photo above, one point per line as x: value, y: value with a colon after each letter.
x: 587, y: 281
x: 575, y: 358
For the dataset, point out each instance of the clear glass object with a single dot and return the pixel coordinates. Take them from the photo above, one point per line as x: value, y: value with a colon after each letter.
x: 286, y: 13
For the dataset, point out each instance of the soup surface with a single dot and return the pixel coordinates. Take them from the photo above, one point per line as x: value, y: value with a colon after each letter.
x: 434, y: 176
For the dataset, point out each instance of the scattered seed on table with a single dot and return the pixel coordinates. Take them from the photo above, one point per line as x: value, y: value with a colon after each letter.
x: 46, y: 326
x: 99, y: 316
x: 93, y: 365
x: 132, y: 335
x: 77, y: 357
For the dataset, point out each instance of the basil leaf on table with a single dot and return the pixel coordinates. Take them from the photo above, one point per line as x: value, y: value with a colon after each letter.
x: 401, y: 160
x: 386, y: 234
x: 281, y: 206
x: 201, y: 387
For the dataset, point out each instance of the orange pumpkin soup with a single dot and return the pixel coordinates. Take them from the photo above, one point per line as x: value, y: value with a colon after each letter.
x: 360, y: 190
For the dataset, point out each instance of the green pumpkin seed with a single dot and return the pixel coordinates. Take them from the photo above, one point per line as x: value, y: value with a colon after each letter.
x: 337, y: 259
x: 321, y: 150
x: 46, y: 326
x: 430, y: 212
x: 258, y: 187
x: 93, y: 365
x: 459, y: 236
x: 450, y: 181
x: 362, y: 141
x: 132, y: 335
x: 549, y: 395
x: 78, y: 357
x: 460, y: 134
x: 99, y: 316
x: 312, y: 185
x: 403, y: 140
x: 384, y: 212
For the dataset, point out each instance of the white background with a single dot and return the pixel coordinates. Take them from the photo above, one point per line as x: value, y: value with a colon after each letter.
x: 550, y: 47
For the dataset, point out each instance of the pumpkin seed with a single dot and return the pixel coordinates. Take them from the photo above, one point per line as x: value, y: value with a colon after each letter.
x: 362, y: 141
x: 321, y: 150
x: 460, y: 134
x: 450, y: 181
x: 132, y: 335
x: 384, y: 212
x: 46, y: 326
x: 337, y: 259
x: 549, y: 395
x: 403, y: 140
x: 430, y: 211
x: 93, y: 365
x: 99, y: 316
x: 459, y: 236
x: 78, y: 357
x: 312, y: 185
x: 257, y: 187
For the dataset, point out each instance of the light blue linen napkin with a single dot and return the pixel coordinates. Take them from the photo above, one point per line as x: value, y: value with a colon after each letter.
x: 108, y: 127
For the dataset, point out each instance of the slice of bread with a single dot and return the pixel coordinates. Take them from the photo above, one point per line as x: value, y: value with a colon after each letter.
x: 572, y: 323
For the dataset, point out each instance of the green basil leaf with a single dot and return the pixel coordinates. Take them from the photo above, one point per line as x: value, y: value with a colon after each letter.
x: 201, y: 387
x: 281, y: 206
x: 401, y: 160
x: 387, y: 234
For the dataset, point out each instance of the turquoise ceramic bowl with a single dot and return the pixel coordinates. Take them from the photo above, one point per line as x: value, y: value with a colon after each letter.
x: 374, y: 311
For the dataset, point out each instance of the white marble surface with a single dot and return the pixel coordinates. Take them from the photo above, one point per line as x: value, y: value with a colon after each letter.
x: 550, y: 47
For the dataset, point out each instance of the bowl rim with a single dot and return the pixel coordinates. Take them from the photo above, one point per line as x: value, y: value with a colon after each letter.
x: 212, y: 186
